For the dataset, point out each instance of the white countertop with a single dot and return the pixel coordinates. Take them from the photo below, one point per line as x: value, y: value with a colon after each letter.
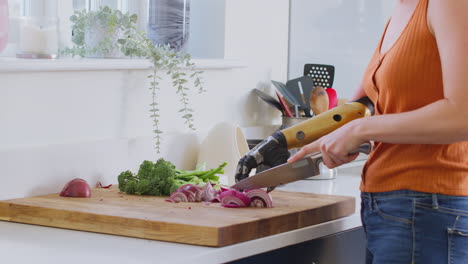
x: 22, y: 243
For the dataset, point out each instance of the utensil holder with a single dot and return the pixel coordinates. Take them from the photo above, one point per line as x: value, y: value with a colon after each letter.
x: 287, y: 121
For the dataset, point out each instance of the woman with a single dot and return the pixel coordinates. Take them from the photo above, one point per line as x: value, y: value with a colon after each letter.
x: 415, y: 182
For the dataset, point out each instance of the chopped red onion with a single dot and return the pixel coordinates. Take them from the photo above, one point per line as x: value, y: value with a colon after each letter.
x: 208, y: 193
x: 234, y: 197
x: 179, y: 196
x: 195, y: 190
x: 259, y: 198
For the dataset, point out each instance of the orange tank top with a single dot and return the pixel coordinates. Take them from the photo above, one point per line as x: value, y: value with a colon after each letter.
x: 406, y: 77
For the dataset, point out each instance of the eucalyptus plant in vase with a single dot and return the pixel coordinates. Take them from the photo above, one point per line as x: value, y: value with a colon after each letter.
x: 109, y: 33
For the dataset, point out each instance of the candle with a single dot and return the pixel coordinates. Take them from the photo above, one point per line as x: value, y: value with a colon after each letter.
x: 3, y: 24
x: 38, y: 39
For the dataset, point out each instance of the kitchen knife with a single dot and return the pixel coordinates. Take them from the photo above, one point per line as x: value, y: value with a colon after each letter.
x: 290, y: 172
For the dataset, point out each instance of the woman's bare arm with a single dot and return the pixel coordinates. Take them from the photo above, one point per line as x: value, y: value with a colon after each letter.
x: 442, y: 122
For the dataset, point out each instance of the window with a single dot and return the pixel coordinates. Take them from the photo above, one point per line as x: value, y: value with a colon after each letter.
x: 206, y: 21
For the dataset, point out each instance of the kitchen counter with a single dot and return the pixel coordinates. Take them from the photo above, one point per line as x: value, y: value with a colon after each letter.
x: 22, y: 243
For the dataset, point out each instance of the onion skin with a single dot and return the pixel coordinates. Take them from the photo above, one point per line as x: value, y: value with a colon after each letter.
x: 102, y: 186
x: 76, y: 188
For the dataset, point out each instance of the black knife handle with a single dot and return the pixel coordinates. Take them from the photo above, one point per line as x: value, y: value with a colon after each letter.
x: 365, y: 148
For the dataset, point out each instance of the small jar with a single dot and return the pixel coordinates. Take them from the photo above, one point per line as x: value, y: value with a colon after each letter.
x: 38, y: 38
x: 3, y: 24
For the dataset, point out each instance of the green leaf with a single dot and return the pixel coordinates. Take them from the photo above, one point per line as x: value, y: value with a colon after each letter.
x: 134, y: 18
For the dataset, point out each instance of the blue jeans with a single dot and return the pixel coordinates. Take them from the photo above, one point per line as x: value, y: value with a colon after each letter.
x: 407, y: 227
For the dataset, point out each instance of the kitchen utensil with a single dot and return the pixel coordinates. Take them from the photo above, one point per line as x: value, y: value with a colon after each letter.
x: 3, y: 24
x: 286, y: 110
x: 301, y: 88
x: 322, y: 74
x: 296, y: 111
x: 109, y: 211
x: 269, y: 99
x: 332, y: 98
x: 318, y: 100
x: 290, y: 172
x: 287, y: 94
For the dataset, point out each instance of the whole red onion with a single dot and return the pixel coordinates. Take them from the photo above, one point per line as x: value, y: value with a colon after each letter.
x: 76, y: 188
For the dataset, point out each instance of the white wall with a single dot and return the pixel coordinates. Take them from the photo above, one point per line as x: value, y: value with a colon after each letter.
x: 257, y: 32
x: 55, y: 126
x: 343, y: 33
x: 58, y: 126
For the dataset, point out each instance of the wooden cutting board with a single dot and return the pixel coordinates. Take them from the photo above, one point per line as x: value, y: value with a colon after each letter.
x: 111, y: 212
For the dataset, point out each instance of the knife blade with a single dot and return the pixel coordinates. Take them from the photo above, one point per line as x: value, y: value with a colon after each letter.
x: 290, y: 172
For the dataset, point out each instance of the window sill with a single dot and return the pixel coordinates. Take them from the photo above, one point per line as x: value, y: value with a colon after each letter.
x: 32, y: 65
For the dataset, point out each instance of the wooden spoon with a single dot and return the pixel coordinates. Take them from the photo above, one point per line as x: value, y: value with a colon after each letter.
x: 318, y: 100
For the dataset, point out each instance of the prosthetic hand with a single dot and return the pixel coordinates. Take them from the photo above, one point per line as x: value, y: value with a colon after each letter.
x: 273, y: 151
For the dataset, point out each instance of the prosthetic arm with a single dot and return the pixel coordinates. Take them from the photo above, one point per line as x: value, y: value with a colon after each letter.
x: 273, y: 151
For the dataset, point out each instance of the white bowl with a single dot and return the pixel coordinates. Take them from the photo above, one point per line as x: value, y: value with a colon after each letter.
x: 225, y: 142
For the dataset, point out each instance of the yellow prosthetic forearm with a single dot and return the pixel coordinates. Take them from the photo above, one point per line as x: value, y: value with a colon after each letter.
x: 320, y: 125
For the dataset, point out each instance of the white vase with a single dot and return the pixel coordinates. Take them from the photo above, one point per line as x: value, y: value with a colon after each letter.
x: 96, y: 35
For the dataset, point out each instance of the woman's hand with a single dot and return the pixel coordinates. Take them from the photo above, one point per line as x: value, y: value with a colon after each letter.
x: 335, y: 146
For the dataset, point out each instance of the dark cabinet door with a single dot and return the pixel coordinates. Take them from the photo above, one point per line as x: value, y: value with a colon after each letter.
x: 346, y: 247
